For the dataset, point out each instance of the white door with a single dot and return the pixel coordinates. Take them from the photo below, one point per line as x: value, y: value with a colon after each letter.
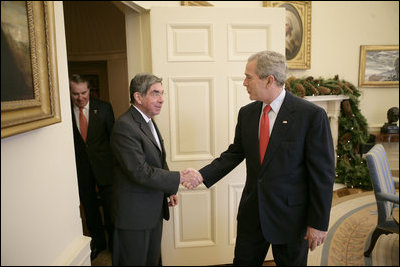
x: 201, y: 54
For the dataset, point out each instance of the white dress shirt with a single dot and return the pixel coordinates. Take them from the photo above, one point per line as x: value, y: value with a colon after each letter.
x: 273, y: 113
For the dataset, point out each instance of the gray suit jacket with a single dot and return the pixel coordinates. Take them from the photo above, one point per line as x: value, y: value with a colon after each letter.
x: 142, y: 180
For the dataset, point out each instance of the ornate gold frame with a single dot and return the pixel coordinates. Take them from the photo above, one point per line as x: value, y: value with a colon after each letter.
x: 376, y: 81
x: 303, y: 8
x: 43, y: 109
x: 195, y: 3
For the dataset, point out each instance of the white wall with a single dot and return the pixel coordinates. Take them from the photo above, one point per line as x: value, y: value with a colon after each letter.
x: 40, y: 219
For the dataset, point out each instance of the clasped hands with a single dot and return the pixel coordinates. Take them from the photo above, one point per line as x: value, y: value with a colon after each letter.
x: 191, y: 178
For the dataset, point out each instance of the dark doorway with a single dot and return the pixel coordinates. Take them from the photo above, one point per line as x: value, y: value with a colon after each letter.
x: 96, y: 73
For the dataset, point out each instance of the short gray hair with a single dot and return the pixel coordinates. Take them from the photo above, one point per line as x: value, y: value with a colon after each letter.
x: 270, y: 63
x: 141, y: 83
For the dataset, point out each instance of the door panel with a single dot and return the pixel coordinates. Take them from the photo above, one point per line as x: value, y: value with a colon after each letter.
x: 202, y: 62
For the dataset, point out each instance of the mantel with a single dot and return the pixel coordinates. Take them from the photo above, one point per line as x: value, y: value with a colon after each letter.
x: 320, y: 98
x: 331, y: 104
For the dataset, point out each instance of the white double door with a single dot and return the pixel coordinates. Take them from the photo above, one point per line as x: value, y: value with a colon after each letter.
x: 201, y: 54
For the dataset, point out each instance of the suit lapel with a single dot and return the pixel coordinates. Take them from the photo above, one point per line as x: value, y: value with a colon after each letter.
x: 145, y: 127
x: 160, y: 139
x: 93, y: 110
x: 253, y: 128
x: 282, y: 124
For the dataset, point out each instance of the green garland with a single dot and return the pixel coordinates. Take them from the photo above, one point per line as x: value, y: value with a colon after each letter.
x: 351, y: 168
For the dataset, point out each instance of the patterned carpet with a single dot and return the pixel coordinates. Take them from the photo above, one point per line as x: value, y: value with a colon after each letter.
x: 353, y: 220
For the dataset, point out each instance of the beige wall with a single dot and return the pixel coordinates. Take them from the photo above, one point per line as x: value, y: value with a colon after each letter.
x: 338, y: 30
x: 40, y: 221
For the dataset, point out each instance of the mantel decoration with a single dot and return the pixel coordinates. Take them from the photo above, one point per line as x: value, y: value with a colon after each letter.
x: 351, y: 168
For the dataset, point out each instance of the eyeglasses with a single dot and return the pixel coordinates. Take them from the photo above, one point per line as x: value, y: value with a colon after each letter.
x: 156, y: 93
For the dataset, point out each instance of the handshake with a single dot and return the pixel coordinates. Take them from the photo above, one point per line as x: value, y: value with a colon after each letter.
x: 191, y: 178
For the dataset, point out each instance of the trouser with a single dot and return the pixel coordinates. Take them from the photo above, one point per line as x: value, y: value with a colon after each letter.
x: 251, y: 249
x: 90, y: 203
x: 138, y: 247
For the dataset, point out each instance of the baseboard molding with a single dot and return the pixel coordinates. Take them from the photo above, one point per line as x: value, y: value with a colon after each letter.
x: 76, y: 254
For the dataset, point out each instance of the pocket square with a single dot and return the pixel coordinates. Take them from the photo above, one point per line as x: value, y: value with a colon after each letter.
x: 284, y: 122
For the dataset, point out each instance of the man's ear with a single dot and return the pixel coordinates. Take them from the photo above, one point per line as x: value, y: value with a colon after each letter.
x: 138, y: 97
x: 270, y: 79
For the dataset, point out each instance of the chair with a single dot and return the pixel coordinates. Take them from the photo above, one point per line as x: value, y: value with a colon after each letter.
x: 385, y: 194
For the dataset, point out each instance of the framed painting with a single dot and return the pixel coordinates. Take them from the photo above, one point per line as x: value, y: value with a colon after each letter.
x: 379, y: 66
x: 298, y: 32
x: 195, y: 3
x: 29, y: 81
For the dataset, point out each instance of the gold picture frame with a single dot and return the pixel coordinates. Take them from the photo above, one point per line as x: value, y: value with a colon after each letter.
x: 298, y: 32
x: 379, y: 66
x: 195, y: 3
x: 29, y: 93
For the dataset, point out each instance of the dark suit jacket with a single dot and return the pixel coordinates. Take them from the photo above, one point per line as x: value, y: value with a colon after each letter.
x: 142, y: 179
x: 292, y: 189
x: 96, y: 152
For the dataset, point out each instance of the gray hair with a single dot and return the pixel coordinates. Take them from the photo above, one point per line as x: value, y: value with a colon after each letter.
x: 76, y: 78
x: 270, y: 63
x: 141, y: 83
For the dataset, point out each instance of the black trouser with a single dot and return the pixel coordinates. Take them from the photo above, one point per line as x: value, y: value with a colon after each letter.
x: 138, y: 247
x: 251, y: 249
x: 90, y: 203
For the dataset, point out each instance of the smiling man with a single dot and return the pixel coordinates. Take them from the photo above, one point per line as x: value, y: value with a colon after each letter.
x: 143, y: 187
x: 93, y: 120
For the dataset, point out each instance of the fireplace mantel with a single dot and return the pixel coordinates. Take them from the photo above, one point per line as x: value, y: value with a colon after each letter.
x: 331, y: 104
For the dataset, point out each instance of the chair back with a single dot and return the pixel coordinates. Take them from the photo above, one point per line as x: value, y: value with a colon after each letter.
x: 381, y: 177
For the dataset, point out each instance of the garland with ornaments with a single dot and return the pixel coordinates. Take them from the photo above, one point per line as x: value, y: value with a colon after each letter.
x: 351, y: 167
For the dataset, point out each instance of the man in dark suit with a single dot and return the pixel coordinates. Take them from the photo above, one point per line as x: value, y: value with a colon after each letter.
x: 92, y: 124
x: 143, y: 187
x: 287, y: 197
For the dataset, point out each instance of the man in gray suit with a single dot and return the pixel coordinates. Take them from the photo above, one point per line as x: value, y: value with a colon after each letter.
x: 143, y: 187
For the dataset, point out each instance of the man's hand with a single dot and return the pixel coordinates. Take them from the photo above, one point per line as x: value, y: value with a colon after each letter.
x: 172, y: 200
x: 191, y: 178
x: 315, y: 237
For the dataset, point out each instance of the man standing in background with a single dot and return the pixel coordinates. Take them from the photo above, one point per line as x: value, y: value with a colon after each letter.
x: 92, y: 124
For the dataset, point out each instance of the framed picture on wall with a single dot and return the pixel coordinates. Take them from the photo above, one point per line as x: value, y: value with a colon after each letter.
x: 29, y: 81
x: 379, y: 66
x: 298, y: 32
x: 195, y: 3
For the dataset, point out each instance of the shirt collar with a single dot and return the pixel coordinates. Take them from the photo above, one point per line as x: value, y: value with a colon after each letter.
x: 85, y: 108
x: 147, y: 119
x: 277, y: 103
